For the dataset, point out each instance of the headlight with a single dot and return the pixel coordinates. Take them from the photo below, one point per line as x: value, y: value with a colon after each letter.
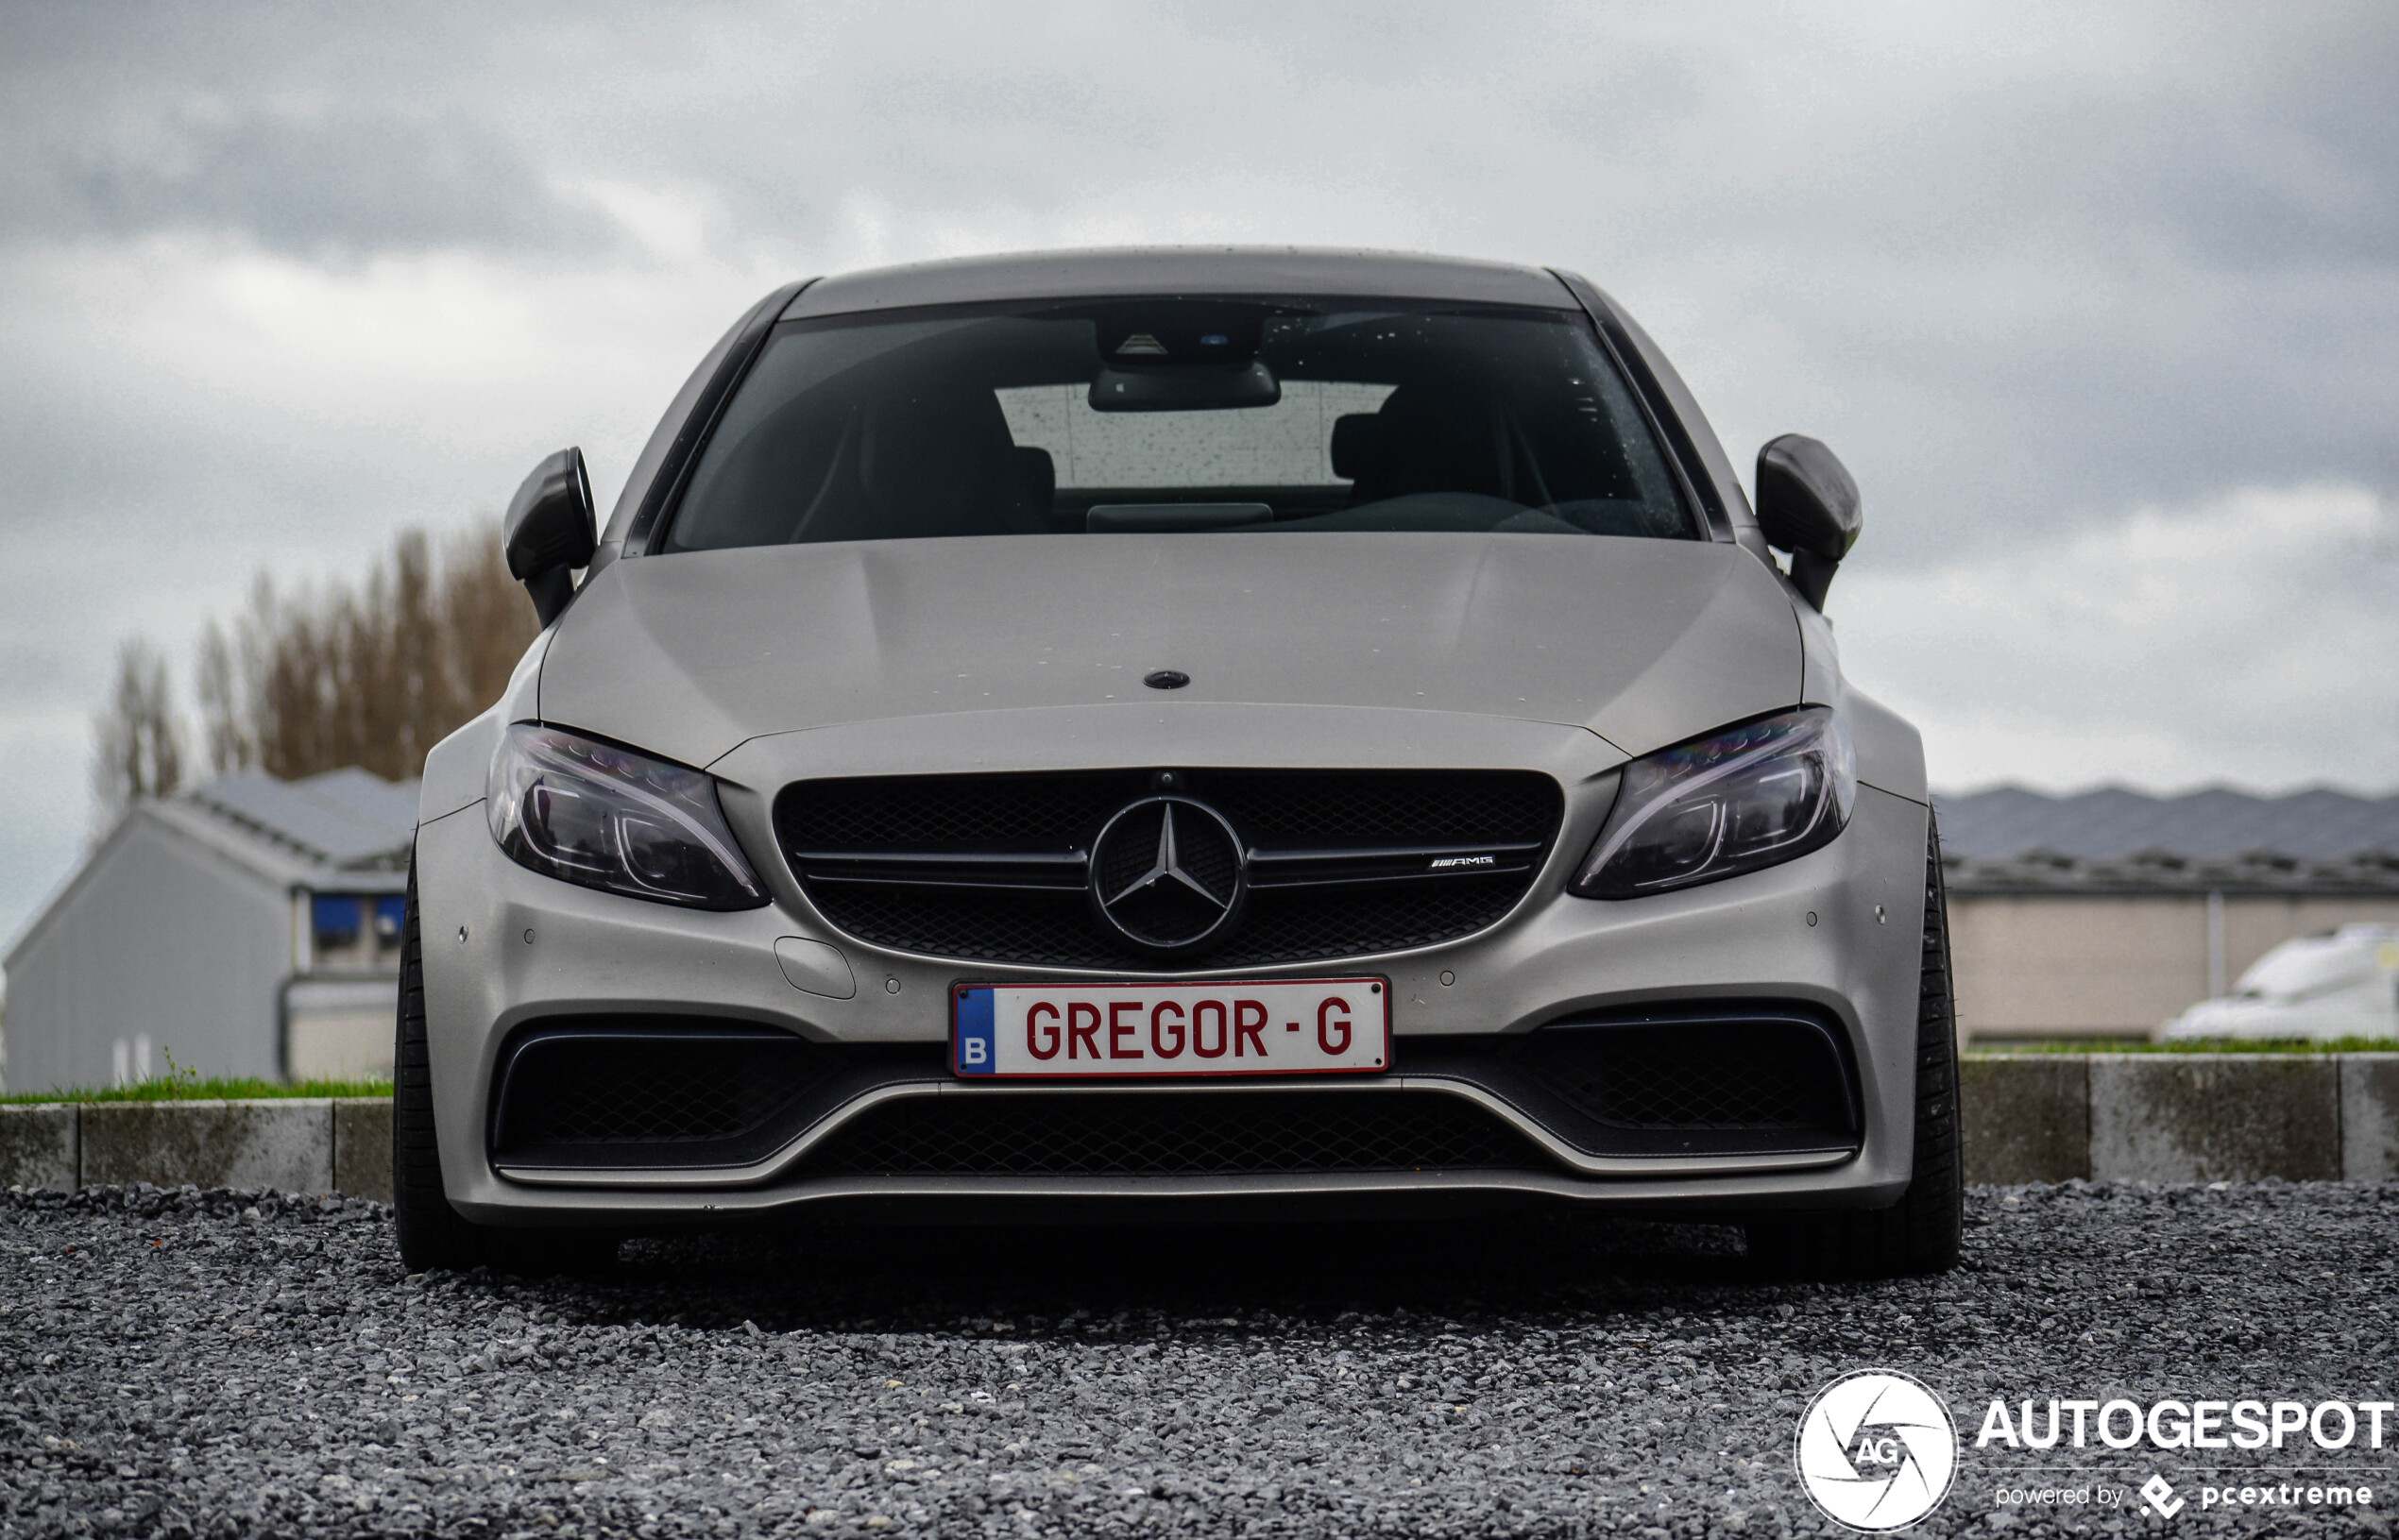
x: 605, y: 817
x: 1736, y: 800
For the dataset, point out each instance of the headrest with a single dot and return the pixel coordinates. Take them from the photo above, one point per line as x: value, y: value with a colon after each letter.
x: 928, y: 461
x: 1357, y: 439
x: 1435, y: 438
x: 1039, y: 474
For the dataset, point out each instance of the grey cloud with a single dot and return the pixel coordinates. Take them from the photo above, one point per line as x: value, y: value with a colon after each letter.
x: 339, y: 184
x: 2058, y: 307
x: 2294, y: 172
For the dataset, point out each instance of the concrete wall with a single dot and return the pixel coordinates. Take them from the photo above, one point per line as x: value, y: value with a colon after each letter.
x: 2067, y: 965
x: 2181, y: 1117
x: 161, y: 942
x: 299, y: 1145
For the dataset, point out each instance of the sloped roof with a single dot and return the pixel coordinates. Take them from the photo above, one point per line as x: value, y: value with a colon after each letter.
x: 2316, y: 841
x: 345, y: 831
x: 344, y: 819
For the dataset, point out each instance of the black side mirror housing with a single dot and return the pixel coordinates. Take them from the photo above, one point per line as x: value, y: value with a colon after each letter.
x: 1808, y: 505
x: 550, y: 531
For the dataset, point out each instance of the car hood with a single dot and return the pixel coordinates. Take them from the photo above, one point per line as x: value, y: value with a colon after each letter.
x: 1643, y: 642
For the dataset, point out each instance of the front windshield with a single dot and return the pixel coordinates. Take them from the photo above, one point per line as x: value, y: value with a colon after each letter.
x: 1178, y: 415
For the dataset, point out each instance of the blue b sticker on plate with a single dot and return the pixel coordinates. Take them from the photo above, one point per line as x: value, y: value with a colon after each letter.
x: 975, y: 1049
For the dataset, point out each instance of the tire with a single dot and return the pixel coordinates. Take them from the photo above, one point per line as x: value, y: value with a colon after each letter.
x: 1921, y: 1232
x: 433, y: 1236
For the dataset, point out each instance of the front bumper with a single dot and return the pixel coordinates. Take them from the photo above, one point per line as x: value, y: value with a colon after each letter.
x: 1839, y: 930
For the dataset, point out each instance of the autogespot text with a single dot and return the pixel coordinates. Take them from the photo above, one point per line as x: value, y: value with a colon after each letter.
x: 2184, y: 1425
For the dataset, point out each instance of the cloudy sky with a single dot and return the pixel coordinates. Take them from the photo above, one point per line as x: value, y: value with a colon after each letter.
x: 2101, y: 303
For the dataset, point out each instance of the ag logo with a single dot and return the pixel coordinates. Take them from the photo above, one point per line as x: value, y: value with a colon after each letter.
x: 1876, y: 1451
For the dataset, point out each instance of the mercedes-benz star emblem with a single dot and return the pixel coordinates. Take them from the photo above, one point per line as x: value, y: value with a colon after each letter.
x: 1166, y: 874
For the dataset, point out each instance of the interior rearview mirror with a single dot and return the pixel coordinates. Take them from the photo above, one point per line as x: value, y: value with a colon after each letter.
x: 551, y: 532
x: 1808, y: 505
x: 1189, y: 387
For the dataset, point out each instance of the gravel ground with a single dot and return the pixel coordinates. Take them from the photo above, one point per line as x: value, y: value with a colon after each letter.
x: 180, y: 1363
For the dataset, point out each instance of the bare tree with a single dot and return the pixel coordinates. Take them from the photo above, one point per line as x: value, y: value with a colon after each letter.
x: 488, y: 617
x: 138, y: 744
x: 226, y: 729
x: 310, y: 680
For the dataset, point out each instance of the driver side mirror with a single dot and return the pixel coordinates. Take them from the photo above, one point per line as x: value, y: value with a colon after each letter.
x: 1808, y: 505
x: 550, y: 531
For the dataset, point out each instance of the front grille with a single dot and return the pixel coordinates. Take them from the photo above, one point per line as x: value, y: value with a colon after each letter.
x: 996, y: 868
x: 1040, y: 929
x: 1172, y: 1134
x: 1760, y: 1073
x: 650, y: 1091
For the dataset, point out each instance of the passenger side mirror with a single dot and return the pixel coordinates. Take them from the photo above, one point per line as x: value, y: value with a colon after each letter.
x: 550, y: 531
x: 1808, y: 505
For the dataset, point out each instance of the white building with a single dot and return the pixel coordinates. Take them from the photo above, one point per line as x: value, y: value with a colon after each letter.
x: 2109, y: 913
x: 246, y: 927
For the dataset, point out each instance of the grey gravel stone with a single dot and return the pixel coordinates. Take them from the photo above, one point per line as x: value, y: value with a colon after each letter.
x: 180, y: 1363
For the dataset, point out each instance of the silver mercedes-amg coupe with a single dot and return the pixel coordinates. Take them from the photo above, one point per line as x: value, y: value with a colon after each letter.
x: 1173, y: 734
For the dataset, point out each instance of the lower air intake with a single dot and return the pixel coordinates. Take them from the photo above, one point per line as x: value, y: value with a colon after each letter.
x: 1762, y: 1072
x: 650, y: 1092
x: 1202, y: 1134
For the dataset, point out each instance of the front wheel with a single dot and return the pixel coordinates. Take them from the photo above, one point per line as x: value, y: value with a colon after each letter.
x: 433, y: 1235
x: 1922, y: 1231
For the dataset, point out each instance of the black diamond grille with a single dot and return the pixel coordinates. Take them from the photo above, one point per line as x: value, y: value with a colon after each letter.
x: 1341, y: 807
x: 575, y: 1087
x: 1272, y: 810
x: 997, y: 812
x: 1172, y: 1134
x: 1715, y: 1074
x: 1057, y: 930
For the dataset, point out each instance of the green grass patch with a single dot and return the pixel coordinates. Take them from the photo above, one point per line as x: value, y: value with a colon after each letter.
x: 193, y: 1088
x: 2203, y: 1045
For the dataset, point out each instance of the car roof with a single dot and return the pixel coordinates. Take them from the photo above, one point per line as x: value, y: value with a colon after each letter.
x: 1163, y: 270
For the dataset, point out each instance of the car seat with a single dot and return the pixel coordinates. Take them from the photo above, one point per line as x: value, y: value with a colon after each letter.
x: 928, y: 465
x: 1425, y: 438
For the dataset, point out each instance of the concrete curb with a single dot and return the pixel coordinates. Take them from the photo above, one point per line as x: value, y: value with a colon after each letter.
x: 2029, y: 1118
x: 41, y: 1146
x: 298, y: 1144
x: 2179, y: 1117
x: 2370, y: 1114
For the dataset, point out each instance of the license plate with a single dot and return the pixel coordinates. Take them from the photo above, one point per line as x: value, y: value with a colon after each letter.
x: 1299, y: 1026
